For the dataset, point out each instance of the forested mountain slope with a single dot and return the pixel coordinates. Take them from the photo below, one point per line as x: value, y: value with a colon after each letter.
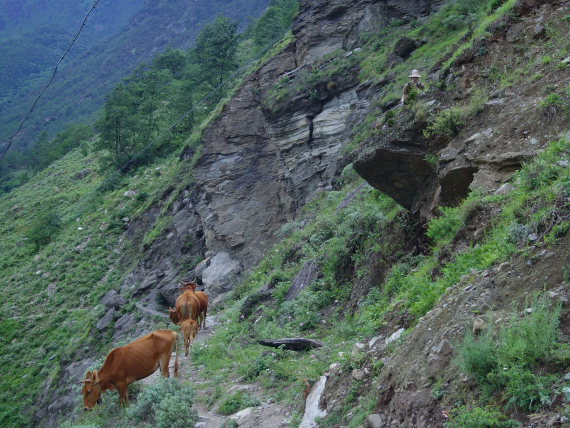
x: 107, y: 51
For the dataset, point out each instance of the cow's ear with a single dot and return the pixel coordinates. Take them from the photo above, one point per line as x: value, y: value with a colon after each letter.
x: 95, y: 376
x: 89, y: 375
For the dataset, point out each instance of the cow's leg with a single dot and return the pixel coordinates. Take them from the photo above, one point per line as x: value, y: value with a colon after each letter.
x: 164, y: 361
x: 186, y: 344
x: 123, y: 394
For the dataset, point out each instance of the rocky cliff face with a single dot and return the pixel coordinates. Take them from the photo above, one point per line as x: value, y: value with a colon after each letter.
x: 260, y: 163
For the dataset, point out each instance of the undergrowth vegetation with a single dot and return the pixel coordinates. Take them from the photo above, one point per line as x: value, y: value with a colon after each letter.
x: 340, y: 237
x: 511, y: 360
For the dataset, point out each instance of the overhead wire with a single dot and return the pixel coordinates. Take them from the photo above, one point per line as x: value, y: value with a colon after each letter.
x: 51, y: 79
x: 249, y: 64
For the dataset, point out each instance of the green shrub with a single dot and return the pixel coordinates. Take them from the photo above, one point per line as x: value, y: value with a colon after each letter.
x: 447, y: 123
x: 477, y: 356
x: 527, y: 390
x: 506, y: 361
x: 443, y: 229
x: 532, y: 339
x: 230, y: 423
x: 479, y: 417
x: 44, y: 228
x: 167, y: 403
x: 237, y: 401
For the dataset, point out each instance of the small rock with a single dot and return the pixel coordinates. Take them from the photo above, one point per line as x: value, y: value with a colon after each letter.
x: 567, y: 377
x: 242, y: 414
x: 373, y: 342
x: 566, y: 61
x: 535, y: 417
x: 495, y: 102
x: 360, y: 374
x: 566, y: 392
x: 357, y: 348
x: 478, y: 326
x: 444, y: 348
x: 38, y: 272
x: 334, y: 367
x: 505, y: 189
x: 113, y: 300
x: 532, y: 237
x: 130, y: 194
x: 126, y: 219
x: 395, y: 336
x: 563, y: 163
x: 82, y: 174
x: 376, y: 421
x: 534, y: 141
x: 474, y: 138
x: 539, y: 30
x: 104, y: 227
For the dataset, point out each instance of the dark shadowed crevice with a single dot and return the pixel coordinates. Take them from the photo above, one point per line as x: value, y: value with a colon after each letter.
x: 455, y: 185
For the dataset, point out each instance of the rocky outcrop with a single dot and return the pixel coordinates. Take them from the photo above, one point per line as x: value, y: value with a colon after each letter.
x: 394, y: 161
x: 259, y: 166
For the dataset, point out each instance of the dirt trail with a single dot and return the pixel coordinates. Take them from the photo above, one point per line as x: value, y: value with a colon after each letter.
x: 267, y: 415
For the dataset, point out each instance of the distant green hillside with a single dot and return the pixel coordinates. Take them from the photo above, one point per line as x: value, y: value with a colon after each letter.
x: 34, y: 34
x: 92, y: 68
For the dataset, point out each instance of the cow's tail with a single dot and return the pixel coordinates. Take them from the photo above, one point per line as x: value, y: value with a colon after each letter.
x: 186, y: 311
x: 176, y: 365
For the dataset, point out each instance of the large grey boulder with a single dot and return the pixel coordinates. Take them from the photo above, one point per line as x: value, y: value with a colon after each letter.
x: 219, y: 276
x: 106, y: 320
x: 310, y: 271
x: 113, y: 300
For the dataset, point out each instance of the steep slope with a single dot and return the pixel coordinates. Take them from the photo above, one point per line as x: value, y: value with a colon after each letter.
x: 353, y: 264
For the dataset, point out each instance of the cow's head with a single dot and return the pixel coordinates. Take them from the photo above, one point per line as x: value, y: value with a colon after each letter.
x: 173, y: 315
x: 190, y: 285
x: 91, y: 390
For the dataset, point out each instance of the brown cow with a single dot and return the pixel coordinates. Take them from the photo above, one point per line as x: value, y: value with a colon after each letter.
x: 202, y: 298
x: 187, y: 306
x: 173, y: 316
x: 190, y: 330
x: 130, y: 363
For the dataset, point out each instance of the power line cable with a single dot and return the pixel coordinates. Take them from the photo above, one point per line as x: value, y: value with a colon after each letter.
x: 50, y: 80
x: 250, y: 63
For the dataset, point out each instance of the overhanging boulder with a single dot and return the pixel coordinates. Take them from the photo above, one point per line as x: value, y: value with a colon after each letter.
x: 394, y: 160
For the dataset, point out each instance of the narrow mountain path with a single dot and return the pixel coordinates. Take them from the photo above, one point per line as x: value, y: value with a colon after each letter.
x: 266, y: 415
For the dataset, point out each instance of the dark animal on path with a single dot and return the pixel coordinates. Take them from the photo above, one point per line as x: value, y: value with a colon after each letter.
x: 130, y: 363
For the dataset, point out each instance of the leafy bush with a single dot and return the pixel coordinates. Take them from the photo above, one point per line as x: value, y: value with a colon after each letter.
x: 527, y: 390
x: 477, y: 356
x: 506, y: 362
x: 44, y: 228
x: 167, y: 403
x: 443, y: 229
x: 447, y: 123
x: 479, y: 417
x: 237, y: 401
